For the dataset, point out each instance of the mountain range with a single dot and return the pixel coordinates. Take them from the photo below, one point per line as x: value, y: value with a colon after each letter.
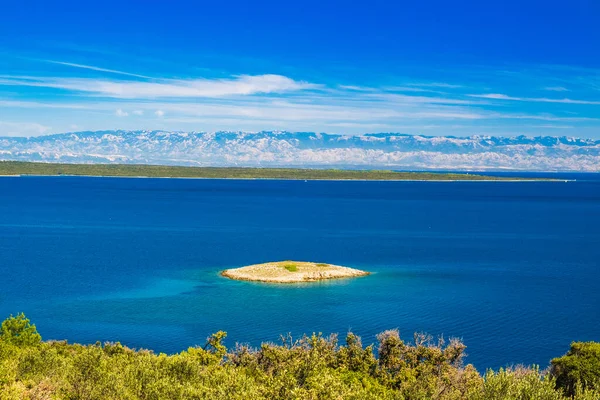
x: 308, y: 149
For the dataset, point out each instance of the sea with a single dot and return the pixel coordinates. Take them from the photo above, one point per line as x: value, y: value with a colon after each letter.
x: 510, y: 268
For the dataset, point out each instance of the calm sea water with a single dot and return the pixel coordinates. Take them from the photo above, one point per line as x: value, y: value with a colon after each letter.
x: 511, y: 268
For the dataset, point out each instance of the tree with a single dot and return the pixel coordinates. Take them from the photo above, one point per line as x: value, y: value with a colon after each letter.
x: 19, y: 331
x: 580, y: 366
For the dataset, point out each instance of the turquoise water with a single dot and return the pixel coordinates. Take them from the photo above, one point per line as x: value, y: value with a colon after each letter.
x: 511, y: 268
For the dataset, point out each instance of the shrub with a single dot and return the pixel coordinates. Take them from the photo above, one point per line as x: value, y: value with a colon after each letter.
x: 517, y: 383
x: 312, y: 367
x: 19, y: 331
x: 581, y: 365
x: 291, y: 267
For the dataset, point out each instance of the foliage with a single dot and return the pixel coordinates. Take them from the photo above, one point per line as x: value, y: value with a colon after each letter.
x: 580, y: 366
x: 291, y: 267
x: 518, y: 383
x: 38, y: 168
x: 311, y: 367
x: 19, y: 330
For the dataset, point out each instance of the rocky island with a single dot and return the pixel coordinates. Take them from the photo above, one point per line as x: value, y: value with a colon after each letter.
x: 291, y: 272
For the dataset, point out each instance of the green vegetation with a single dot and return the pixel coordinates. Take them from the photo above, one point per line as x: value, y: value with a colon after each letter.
x: 19, y: 331
x: 162, y: 171
x: 313, y: 367
x: 291, y: 267
x: 580, y: 366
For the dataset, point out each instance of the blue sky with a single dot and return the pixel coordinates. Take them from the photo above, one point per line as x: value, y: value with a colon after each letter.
x: 419, y: 67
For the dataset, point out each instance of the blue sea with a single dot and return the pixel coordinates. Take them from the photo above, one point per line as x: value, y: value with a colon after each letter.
x: 511, y: 268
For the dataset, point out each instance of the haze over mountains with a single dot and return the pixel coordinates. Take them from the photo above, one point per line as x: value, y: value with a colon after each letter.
x: 306, y: 149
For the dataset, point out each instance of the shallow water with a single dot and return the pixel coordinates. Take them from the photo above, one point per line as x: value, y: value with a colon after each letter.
x: 512, y: 268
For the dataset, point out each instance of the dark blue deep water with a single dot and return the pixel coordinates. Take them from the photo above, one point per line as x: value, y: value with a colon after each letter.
x: 511, y: 268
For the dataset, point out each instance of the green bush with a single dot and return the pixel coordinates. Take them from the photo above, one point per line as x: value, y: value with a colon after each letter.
x: 291, y: 267
x: 19, y: 330
x: 311, y: 367
x: 580, y: 366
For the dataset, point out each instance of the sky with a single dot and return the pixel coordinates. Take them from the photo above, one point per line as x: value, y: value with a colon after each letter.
x: 350, y: 67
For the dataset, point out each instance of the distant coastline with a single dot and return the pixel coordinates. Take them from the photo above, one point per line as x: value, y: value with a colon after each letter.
x: 20, y: 168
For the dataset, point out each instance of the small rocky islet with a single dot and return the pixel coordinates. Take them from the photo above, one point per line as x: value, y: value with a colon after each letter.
x: 291, y: 272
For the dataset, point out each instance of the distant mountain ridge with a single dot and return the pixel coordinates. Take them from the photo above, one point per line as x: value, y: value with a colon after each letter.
x: 308, y: 149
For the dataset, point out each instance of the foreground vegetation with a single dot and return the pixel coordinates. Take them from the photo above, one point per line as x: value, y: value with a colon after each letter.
x: 313, y: 367
x: 162, y: 171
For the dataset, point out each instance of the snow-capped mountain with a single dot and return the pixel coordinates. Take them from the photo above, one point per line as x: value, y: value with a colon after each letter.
x: 308, y: 149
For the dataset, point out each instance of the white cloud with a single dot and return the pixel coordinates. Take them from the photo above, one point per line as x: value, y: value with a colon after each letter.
x: 403, y: 98
x: 36, y: 104
x: 164, y: 88
x: 357, y: 88
x: 279, y: 102
x: 314, y: 111
x: 548, y: 126
x: 546, y: 117
x: 556, y: 89
x: 435, y: 85
x: 409, y: 89
x: 498, y: 96
x: 22, y: 129
x: 291, y: 111
x: 91, y: 67
x: 493, y: 96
